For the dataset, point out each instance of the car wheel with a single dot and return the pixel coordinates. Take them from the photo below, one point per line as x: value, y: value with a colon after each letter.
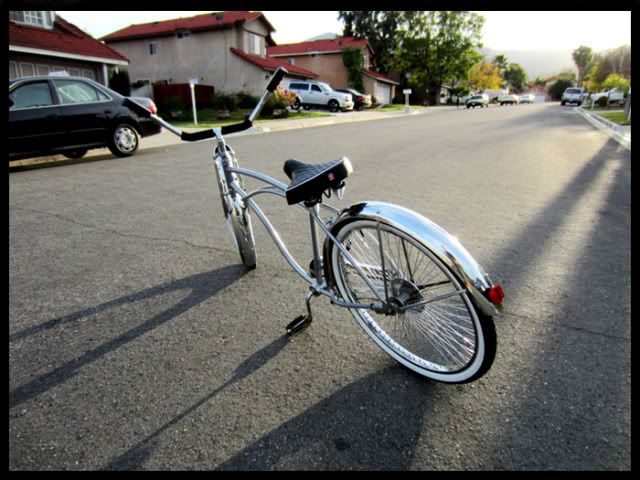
x: 306, y: 107
x: 76, y: 153
x: 468, y: 106
x: 562, y: 103
x: 334, y: 106
x: 123, y: 141
x: 296, y: 104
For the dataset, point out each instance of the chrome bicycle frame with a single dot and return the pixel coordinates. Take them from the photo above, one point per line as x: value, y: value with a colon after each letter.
x: 222, y: 155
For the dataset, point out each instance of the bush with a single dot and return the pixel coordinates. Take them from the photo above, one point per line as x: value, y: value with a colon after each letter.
x: 119, y: 82
x: 246, y: 100
x: 557, y: 88
x: 226, y: 102
x: 602, y: 101
x: 172, y: 104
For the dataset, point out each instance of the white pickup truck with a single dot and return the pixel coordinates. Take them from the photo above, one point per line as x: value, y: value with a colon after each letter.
x: 615, y: 96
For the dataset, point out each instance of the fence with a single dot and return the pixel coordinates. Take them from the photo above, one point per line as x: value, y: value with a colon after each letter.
x: 203, y: 93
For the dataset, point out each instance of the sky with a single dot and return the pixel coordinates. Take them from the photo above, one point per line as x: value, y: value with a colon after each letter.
x: 503, y: 30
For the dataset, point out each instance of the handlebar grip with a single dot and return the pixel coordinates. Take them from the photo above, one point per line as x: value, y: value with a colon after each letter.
x: 237, y: 127
x: 277, y: 77
x: 195, y: 136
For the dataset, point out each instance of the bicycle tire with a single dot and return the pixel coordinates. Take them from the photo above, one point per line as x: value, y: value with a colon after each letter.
x: 242, y: 231
x: 447, y: 340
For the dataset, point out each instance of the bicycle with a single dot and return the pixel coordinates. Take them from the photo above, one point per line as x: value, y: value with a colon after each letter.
x: 413, y: 288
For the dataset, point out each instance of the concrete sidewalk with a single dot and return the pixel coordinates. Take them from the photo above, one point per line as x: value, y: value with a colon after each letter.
x: 620, y: 133
x: 166, y: 138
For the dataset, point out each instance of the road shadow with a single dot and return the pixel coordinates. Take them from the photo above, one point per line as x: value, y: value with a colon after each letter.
x: 568, y: 409
x: 202, y: 286
x: 135, y: 457
x: 371, y: 424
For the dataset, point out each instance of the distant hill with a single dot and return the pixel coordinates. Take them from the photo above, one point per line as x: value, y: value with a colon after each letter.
x: 537, y: 63
x: 324, y: 36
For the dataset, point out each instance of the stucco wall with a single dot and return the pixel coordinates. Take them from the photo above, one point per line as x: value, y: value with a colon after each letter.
x: 328, y: 66
x: 203, y: 55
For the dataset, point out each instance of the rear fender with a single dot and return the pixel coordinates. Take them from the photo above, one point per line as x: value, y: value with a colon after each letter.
x: 445, y: 246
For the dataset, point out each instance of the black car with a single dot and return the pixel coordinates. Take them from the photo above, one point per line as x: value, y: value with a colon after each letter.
x: 69, y: 115
x: 360, y: 100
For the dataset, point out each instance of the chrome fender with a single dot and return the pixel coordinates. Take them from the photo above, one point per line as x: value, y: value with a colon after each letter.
x: 445, y: 246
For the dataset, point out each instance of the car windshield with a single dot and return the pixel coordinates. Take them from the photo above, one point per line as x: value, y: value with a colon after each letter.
x: 325, y: 86
x: 573, y: 90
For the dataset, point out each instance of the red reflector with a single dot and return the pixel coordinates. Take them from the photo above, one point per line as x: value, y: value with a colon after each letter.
x: 152, y: 107
x: 496, y: 294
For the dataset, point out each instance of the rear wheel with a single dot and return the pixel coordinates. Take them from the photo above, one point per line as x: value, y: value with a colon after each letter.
x: 296, y: 104
x: 124, y: 140
x: 436, y: 331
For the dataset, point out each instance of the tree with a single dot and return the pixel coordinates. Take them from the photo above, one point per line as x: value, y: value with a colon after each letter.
x: 583, y: 58
x: 485, y: 76
x: 379, y: 28
x: 617, y: 81
x: 353, y: 62
x: 501, y: 62
x: 617, y: 60
x: 558, y: 87
x: 438, y: 47
x: 515, y: 77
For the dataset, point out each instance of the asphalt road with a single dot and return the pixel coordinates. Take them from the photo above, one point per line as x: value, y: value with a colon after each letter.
x: 137, y: 341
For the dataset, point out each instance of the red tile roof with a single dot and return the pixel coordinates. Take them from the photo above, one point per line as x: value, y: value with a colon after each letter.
x: 271, y: 64
x: 320, y: 46
x: 379, y: 76
x: 206, y: 21
x: 65, y: 37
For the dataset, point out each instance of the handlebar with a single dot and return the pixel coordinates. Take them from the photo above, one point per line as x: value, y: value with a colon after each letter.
x: 209, y: 133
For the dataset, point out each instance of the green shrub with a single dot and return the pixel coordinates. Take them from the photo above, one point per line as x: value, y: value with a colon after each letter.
x: 172, y: 104
x: 602, y: 101
x: 246, y: 100
x: 226, y: 102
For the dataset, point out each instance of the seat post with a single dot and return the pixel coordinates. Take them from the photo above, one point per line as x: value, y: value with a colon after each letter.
x: 314, y: 241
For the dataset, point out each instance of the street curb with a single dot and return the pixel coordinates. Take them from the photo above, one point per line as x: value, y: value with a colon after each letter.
x: 610, y: 128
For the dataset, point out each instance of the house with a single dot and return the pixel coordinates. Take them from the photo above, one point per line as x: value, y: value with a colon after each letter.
x: 224, y: 49
x: 41, y: 42
x: 324, y: 56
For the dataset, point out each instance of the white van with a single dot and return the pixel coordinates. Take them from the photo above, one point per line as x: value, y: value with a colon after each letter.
x: 319, y: 94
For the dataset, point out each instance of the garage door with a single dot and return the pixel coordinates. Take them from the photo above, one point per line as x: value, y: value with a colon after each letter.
x: 383, y: 93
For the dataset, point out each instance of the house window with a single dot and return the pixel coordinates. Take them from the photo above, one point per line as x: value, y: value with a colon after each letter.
x: 184, y: 34
x: 153, y: 49
x: 255, y: 44
x: 291, y: 61
x: 38, y: 18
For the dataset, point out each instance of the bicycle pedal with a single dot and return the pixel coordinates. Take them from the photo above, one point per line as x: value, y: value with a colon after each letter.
x: 299, y: 323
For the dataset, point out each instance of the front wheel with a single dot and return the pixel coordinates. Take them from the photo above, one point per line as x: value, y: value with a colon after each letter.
x: 240, y: 222
x: 334, y: 106
x: 435, y: 329
x: 296, y: 104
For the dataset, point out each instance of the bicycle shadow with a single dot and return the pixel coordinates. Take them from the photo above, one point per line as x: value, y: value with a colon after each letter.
x: 371, y: 424
x: 202, y: 286
x: 135, y: 457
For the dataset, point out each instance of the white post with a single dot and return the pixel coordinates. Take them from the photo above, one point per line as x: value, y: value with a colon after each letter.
x: 407, y: 92
x: 192, y: 84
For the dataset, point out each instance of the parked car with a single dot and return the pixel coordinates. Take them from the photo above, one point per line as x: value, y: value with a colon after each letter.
x: 571, y: 95
x: 527, y: 98
x: 319, y: 94
x: 480, y: 100
x: 615, y: 96
x: 509, y: 99
x: 70, y: 115
x: 360, y: 100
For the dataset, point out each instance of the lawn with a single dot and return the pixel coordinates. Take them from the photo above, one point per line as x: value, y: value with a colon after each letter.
x: 617, y: 117
x: 209, y: 118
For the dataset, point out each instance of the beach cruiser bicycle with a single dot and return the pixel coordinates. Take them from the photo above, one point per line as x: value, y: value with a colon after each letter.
x: 412, y: 287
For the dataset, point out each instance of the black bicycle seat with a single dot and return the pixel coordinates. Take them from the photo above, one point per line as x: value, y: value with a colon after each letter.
x: 309, y: 180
